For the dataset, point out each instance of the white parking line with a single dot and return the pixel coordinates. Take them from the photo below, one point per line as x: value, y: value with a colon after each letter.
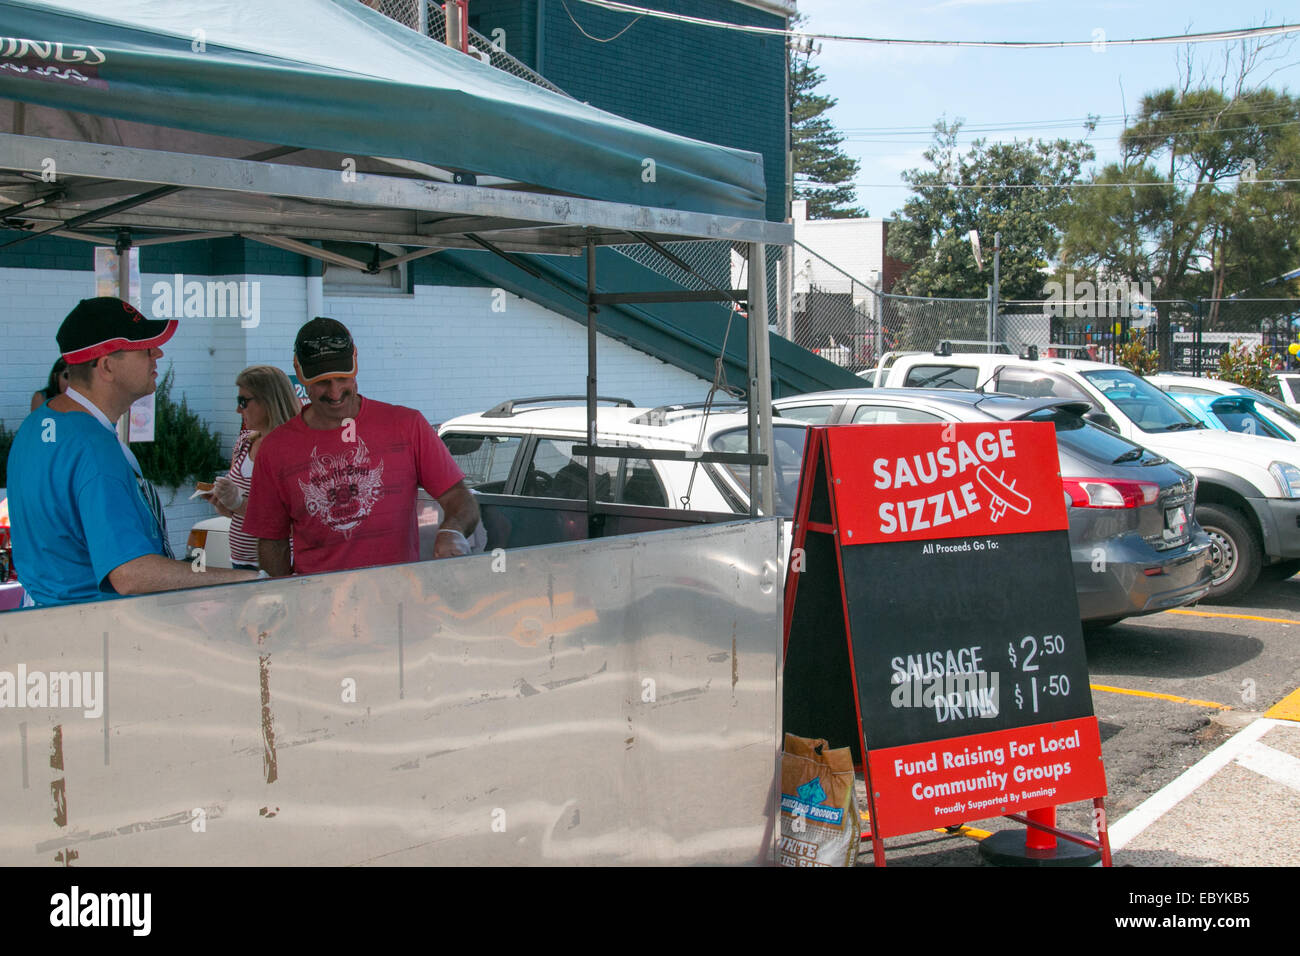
x: 1273, y: 764
x: 1168, y: 797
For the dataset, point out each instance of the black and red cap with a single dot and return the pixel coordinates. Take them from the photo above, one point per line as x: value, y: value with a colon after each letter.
x: 100, y: 326
x: 324, y: 349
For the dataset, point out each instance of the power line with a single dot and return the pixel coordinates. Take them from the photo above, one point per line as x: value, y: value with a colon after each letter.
x: 1184, y: 113
x: 588, y: 35
x: 1214, y: 37
x: 906, y: 185
x: 1094, y: 120
x: 1159, y: 134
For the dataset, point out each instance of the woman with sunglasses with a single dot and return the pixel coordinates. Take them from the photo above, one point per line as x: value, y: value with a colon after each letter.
x: 266, y: 401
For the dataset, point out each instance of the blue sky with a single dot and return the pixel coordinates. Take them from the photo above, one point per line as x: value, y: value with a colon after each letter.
x: 1017, y: 93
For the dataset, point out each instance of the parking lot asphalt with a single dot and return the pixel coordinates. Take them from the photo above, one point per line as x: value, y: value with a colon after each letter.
x: 1199, y: 711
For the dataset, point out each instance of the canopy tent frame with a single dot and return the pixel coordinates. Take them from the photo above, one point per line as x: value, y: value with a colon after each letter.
x: 186, y: 196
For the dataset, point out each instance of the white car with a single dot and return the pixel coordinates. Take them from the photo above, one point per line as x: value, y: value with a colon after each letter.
x: 520, y: 454
x: 523, y: 449
x: 1288, y: 384
x: 1246, y: 409
x: 1248, y: 497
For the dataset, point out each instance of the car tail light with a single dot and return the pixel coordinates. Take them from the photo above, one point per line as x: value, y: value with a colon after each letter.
x: 197, y: 539
x: 1109, y: 492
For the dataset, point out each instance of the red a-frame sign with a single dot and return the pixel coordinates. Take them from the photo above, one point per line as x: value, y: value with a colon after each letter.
x: 931, y: 620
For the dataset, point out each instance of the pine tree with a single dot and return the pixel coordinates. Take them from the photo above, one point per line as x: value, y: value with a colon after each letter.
x: 823, y: 172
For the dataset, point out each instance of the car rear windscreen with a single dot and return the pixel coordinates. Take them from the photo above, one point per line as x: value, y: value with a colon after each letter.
x: 1088, y: 440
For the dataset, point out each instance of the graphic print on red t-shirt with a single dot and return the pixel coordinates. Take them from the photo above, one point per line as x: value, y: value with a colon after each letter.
x: 341, y: 490
x: 347, y: 496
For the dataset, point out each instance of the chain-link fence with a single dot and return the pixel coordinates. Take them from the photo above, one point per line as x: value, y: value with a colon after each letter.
x: 1273, y: 323
x: 832, y: 313
x: 1088, y: 328
x: 427, y: 17
x: 1199, y: 332
x: 917, y: 324
x: 716, y: 266
x: 853, y: 324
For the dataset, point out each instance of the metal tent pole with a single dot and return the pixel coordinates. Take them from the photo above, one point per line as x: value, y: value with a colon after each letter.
x: 760, y: 383
x: 591, y: 386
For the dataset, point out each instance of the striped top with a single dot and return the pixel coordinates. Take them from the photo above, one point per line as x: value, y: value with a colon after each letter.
x: 243, y: 548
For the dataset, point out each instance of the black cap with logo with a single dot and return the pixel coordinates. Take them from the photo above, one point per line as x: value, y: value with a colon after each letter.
x: 324, y: 349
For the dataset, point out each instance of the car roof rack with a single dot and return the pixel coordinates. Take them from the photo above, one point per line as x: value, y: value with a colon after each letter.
x: 1033, y: 351
x: 897, y: 355
x: 945, y: 347
x: 511, y: 407
x: 665, y: 414
x: 659, y: 414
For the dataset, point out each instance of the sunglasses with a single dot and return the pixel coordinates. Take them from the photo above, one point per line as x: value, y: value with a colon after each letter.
x: 324, y: 345
x: 242, y: 401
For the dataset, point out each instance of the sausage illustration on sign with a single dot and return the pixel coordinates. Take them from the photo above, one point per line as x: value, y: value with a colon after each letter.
x: 1004, y: 495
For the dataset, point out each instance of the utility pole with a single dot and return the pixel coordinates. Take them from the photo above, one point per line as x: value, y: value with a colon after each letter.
x: 993, y: 296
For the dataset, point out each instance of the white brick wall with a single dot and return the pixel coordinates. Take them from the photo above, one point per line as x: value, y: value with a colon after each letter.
x: 442, y: 350
x: 182, y: 515
x: 31, y: 298
x: 446, y: 352
x: 854, y: 245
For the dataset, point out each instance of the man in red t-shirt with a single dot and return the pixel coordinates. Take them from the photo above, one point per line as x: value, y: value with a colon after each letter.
x: 341, y: 477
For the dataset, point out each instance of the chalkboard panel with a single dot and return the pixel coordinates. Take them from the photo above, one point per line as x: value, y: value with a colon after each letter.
x: 817, y: 682
x: 963, y: 636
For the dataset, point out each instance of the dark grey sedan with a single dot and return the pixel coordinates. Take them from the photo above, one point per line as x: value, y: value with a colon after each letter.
x: 1136, y: 546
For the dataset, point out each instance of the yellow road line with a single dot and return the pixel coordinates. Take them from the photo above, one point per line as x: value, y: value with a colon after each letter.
x: 1240, y: 617
x: 966, y: 831
x: 1288, y: 708
x: 1148, y: 693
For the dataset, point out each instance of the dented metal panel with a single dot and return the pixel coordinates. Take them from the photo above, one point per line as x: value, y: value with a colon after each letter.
x: 608, y: 701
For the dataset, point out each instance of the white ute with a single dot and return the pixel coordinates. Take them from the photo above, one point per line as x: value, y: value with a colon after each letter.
x: 1248, y: 497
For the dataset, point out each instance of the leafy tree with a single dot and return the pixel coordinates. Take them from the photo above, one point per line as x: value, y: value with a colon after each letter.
x: 1202, y: 217
x: 1135, y: 355
x: 823, y: 172
x: 1010, y: 188
x: 1244, y: 365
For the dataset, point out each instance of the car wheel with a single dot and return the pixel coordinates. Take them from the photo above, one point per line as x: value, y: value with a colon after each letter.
x: 1281, y: 571
x: 1235, y: 553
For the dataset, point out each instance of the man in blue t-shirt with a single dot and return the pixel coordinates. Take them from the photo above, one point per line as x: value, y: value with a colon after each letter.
x: 85, y: 524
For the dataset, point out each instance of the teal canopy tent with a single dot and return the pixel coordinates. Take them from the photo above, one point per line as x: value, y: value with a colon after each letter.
x: 344, y: 81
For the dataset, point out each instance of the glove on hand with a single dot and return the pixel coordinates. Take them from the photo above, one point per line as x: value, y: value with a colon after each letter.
x: 227, y: 492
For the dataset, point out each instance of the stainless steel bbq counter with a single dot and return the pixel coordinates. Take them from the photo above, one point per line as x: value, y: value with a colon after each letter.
x: 612, y: 701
